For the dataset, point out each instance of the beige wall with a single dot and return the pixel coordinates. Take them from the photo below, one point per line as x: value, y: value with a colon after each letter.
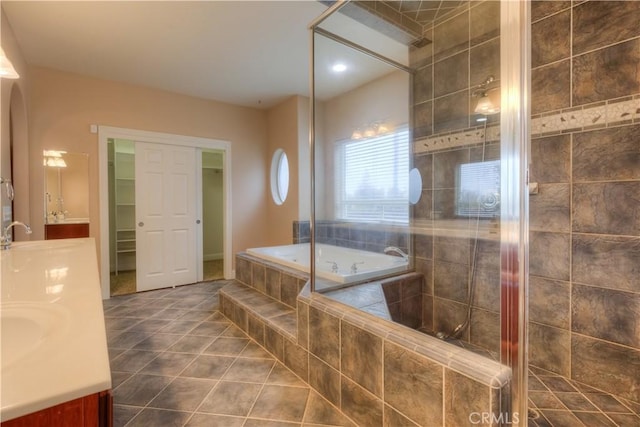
x: 13, y: 98
x: 384, y: 99
x: 288, y: 129
x: 64, y: 105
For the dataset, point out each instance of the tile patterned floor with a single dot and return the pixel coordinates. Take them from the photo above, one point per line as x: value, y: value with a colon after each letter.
x: 555, y: 401
x: 124, y: 282
x: 176, y: 361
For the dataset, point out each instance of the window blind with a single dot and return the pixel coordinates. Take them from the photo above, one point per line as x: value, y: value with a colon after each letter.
x: 372, y: 178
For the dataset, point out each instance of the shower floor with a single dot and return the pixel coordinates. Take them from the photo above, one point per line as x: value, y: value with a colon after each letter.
x: 556, y: 401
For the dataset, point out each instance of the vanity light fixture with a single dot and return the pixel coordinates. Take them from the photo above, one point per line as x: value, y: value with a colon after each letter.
x: 371, y: 130
x: 485, y: 105
x: 6, y: 67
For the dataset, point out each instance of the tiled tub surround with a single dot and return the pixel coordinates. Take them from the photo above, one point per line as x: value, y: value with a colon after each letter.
x: 376, y: 372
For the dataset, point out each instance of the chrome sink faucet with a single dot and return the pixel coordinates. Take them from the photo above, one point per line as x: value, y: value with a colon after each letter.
x: 5, y: 238
x: 397, y: 250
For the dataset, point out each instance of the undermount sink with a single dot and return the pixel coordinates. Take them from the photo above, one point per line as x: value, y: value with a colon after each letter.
x: 27, y: 328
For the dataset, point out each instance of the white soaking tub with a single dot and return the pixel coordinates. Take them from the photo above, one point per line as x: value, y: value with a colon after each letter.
x: 334, y: 263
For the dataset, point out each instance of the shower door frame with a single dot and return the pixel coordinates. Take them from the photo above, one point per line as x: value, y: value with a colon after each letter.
x: 515, y: 69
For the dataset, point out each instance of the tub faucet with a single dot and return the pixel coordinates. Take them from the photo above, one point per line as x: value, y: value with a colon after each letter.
x: 334, y: 266
x: 5, y: 239
x: 396, y: 250
x: 354, y: 267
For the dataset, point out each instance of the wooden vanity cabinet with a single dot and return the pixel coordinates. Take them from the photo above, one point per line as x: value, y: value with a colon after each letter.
x: 66, y: 231
x: 94, y: 410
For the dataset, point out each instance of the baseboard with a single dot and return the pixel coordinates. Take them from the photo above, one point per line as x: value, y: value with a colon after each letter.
x: 213, y: 257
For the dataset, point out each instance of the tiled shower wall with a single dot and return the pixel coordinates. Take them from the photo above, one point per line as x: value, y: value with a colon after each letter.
x: 585, y: 221
x: 465, y: 50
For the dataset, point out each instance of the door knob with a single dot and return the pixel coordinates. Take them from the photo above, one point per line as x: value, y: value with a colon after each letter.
x: 197, y: 221
x: 141, y: 224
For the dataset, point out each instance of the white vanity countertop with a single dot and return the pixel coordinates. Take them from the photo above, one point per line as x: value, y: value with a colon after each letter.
x: 53, y: 342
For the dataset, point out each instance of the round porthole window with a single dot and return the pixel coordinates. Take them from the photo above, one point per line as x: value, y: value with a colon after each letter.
x: 279, y: 176
x: 415, y: 186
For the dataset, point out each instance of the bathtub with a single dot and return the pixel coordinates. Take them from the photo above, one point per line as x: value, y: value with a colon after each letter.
x: 334, y: 263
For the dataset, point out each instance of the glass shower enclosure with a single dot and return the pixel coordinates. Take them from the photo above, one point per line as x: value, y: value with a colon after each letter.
x: 418, y: 130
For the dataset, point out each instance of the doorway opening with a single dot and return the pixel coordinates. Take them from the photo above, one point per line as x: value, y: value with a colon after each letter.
x: 154, y: 234
x: 212, y: 218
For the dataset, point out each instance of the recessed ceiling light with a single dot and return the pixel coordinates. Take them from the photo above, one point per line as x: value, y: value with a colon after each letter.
x: 339, y: 68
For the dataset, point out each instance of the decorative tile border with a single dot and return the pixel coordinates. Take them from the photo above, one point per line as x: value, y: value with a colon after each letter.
x: 586, y: 117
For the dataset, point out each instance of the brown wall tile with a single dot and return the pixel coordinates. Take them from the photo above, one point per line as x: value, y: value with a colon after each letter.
x: 424, y: 208
x: 451, y: 74
x: 485, y: 330
x: 448, y: 315
x: 551, y: 159
x: 243, y: 269
x: 274, y: 342
x: 423, y: 85
x: 451, y: 112
x: 324, y: 379
x: 427, y: 312
x: 256, y: 329
x: 484, y: 62
x: 422, y: 119
x: 485, y: 21
x: 296, y: 358
x: 413, y: 385
x: 551, y: 39
x: 452, y: 36
x: 549, y: 255
x: 608, y: 154
x: 606, y: 73
x: 444, y: 204
x: 324, y: 325
x: 361, y: 357
x: 614, y: 368
x: 289, y: 289
x: 606, y: 260
x: 273, y: 283
x: 607, y: 208
x: 361, y: 406
x: 543, y: 8
x: 303, y: 324
x: 451, y: 281
x: 549, y: 210
x: 258, y: 272
x: 617, y: 318
x: 549, y: 302
x: 551, y: 87
x: 459, y: 388
x: 446, y: 166
x: 411, y: 311
x: 550, y: 348
x: 452, y: 249
x: 600, y: 23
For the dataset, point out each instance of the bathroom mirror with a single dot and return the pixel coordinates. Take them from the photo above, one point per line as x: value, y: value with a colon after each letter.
x: 66, y: 197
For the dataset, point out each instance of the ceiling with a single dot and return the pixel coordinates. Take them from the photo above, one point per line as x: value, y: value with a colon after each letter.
x: 249, y: 53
